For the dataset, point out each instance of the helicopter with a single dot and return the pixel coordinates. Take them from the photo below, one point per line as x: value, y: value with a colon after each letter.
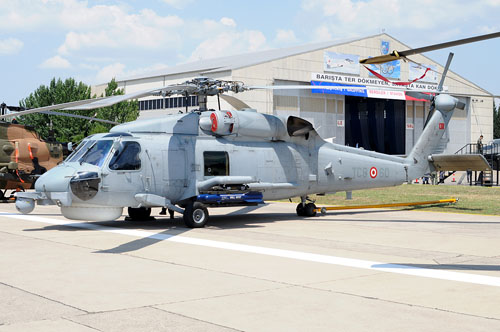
x: 24, y: 156
x: 210, y: 158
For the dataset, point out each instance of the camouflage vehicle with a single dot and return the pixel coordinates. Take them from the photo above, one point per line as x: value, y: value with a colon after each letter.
x: 24, y: 156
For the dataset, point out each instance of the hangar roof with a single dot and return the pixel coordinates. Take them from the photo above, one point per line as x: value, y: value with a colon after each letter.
x: 232, y: 62
x: 243, y: 60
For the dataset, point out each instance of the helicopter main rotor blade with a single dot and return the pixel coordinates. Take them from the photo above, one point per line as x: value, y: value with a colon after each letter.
x: 50, y: 108
x: 235, y: 102
x: 109, y: 101
x: 94, y: 103
x: 396, y: 55
x: 80, y: 117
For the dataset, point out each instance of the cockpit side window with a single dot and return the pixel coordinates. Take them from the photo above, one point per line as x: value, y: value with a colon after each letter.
x: 96, y: 154
x: 126, y: 158
x: 216, y: 163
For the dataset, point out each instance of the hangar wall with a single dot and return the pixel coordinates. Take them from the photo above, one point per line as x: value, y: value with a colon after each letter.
x: 328, y: 111
x: 465, y: 128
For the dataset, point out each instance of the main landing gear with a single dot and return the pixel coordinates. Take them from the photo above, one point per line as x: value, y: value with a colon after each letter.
x: 195, y: 215
x: 306, y: 209
x: 139, y: 214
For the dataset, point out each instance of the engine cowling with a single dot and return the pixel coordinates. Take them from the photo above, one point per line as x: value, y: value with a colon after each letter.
x: 244, y: 123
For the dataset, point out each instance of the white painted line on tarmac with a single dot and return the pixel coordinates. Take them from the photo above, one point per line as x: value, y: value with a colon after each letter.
x: 298, y: 255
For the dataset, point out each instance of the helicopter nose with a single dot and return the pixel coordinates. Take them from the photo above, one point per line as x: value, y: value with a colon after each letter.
x: 55, y: 180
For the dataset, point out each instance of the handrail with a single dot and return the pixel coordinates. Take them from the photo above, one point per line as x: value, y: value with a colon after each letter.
x: 488, y: 149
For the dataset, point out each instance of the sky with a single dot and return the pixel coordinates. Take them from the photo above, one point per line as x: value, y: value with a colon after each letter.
x: 96, y: 40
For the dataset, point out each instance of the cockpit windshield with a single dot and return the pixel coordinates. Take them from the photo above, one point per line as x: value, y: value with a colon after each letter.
x: 96, y: 153
x: 79, y: 150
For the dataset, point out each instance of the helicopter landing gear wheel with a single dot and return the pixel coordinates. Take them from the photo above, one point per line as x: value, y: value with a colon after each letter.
x: 136, y: 214
x: 301, y: 210
x: 195, y: 215
x: 310, y: 210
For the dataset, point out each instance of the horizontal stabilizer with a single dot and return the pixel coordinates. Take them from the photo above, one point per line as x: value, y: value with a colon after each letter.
x: 459, y: 162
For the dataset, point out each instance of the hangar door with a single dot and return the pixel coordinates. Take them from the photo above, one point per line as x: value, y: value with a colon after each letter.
x: 375, y: 124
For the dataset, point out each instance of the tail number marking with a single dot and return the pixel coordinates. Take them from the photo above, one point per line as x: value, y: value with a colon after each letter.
x: 373, y: 172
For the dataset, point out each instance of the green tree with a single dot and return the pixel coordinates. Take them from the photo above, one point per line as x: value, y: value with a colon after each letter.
x: 496, y: 121
x: 125, y: 111
x: 68, y: 129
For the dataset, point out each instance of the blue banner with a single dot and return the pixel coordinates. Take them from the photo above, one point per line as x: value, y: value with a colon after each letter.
x: 347, y: 90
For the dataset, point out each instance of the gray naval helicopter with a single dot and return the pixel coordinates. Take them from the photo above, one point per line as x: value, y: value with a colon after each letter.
x: 211, y: 158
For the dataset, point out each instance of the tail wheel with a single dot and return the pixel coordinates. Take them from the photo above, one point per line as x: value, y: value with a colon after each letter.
x: 141, y: 213
x: 310, y: 210
x: 195, y: 215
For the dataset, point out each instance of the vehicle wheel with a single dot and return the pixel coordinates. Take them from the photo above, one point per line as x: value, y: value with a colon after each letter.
x: 195, y: 215
x: 141, y: 213
x: 301, y: 211
x: 310, y: 210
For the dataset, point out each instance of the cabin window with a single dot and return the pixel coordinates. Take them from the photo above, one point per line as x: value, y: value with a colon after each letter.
x: 126, y: 158
x: 216, y: 163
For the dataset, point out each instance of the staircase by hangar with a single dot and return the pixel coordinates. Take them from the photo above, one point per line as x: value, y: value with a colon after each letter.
x: 490, y: 153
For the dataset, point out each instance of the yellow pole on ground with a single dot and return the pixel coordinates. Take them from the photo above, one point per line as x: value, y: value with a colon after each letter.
x: 374, y: 206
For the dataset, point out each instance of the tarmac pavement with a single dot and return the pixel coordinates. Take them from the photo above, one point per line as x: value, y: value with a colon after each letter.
x: 251, y: 269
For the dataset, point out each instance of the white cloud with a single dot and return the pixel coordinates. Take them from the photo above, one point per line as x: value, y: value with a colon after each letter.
x: 109, y: 72
x: 56, y: 62
x: 118, y: 70
x: 76, y: 41
x: 88, y: 66
x: 91, y: 26
x: 351, y: 18
x: 145, y: 70
x: 115, y: 28
x: 229, y: 43
x: 322, y: 33
x: 23, y: 14
x: 228, y: 22
x: 285, y: 36
x: 10, y: 46
x: 178, y: 4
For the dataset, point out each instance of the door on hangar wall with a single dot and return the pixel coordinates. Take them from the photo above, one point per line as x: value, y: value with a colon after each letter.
x: 375, y: 124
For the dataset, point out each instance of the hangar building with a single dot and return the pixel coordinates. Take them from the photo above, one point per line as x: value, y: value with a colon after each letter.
x: 375, y: 119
